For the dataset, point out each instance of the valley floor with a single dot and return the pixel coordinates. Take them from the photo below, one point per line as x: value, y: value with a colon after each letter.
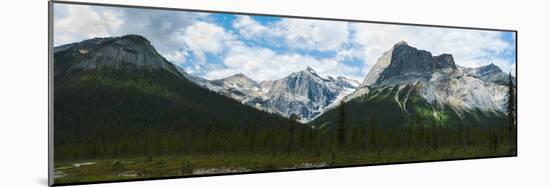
x: 86, y: 171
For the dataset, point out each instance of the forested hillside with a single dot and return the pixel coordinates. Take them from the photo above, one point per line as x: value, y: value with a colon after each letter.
x: 123, y: 108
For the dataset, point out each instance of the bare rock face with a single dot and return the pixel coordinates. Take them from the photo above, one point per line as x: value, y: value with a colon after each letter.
x: 489, y: 73
x: 403, y: 60
x: 239, y: 87
x: 304, y: 93
x: 130, y: 51
x: 440, y: 80
x: 444, y: 61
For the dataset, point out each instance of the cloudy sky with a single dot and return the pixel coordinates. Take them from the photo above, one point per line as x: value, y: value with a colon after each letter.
x: 265, y: 48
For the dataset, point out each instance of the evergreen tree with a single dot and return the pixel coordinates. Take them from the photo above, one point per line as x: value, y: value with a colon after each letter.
x: 511, y: 102
x: 293, y: 121
x: 511, y: 111
x: 341, y: 137
x: 252, y: 137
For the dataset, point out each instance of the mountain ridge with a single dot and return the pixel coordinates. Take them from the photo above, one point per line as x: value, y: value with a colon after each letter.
x: 114, y: 52
x: 286, y: 96
x: 149, y: 93
x: 305, y: 93
x: 412, y: 82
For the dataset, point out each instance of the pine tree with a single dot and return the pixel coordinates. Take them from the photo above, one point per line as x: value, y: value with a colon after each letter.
x: 511, y: 107
x: 293, y: 121
x: 342, y: 126
x: 511, y: 111
x: 253, y: 137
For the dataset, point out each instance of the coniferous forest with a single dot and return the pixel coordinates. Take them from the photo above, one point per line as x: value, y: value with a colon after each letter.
x: 128, y: 121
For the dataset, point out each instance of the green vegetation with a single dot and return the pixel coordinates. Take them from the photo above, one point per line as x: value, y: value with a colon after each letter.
x: 141, y: 123
x: 170, y: 166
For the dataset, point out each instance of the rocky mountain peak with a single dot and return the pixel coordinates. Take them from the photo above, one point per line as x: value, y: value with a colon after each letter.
x: 239, y: 76
x: 311, y: 71
x: 128, y: 52
x: 488, y: 73
x: 237, y: 80
x: 405, y: 60
x: 444, y: 61
x: 490, y: 68
x: 440, y: 80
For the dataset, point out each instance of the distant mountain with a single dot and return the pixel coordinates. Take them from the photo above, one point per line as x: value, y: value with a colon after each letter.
x: 240, y: 88
x: 122, y: 87
x: 407, y: 83
x: 304, y: 93
x: 488, y: 73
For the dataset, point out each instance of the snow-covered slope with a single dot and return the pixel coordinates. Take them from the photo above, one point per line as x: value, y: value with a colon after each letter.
x: 304, y: 93
x: 241, y: 88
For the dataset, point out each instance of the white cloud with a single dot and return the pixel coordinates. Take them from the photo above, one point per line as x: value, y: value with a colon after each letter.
x: 205, y: 37
x: 164, y: 29
x: 178, y: 36
x: 82, y: 22
x: 250, y: 28
x: 264, y: 64
x: 178, y: 57
x: 314, y: 34
x: 367, y: 41
x: 505, y: 66
x: 305, y: 34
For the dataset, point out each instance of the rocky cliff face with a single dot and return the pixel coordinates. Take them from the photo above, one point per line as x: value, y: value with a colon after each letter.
x: 407, y: 85
x: 438, y: 80
x: 304, y: 93
x: 406, y: 61
x: 488, y: 73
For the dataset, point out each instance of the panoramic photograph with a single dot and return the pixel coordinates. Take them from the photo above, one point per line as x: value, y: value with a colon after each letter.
x: 149, y: 93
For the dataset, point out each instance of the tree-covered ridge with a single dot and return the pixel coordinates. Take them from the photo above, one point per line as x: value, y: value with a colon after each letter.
x: 400, y: 106
x: 103, y: 105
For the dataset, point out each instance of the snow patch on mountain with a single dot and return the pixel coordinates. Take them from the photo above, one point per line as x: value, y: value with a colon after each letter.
x: 304, y: 93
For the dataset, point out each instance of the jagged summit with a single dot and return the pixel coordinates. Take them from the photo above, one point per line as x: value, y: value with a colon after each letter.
x: 438, y: 80
x: 237, y: 80
x: 303, y: 92
x: 405, y: 60
x: 310, y: 69
x: 489, y: 73
x: 444, y: 61
x: 238, y: 75
x: 490, y: 68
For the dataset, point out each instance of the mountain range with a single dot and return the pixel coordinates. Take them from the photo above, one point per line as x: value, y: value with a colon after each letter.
x: 305, y: 93
x: 108, y: 88
x: 404, y: 83
x: 408, y: 84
